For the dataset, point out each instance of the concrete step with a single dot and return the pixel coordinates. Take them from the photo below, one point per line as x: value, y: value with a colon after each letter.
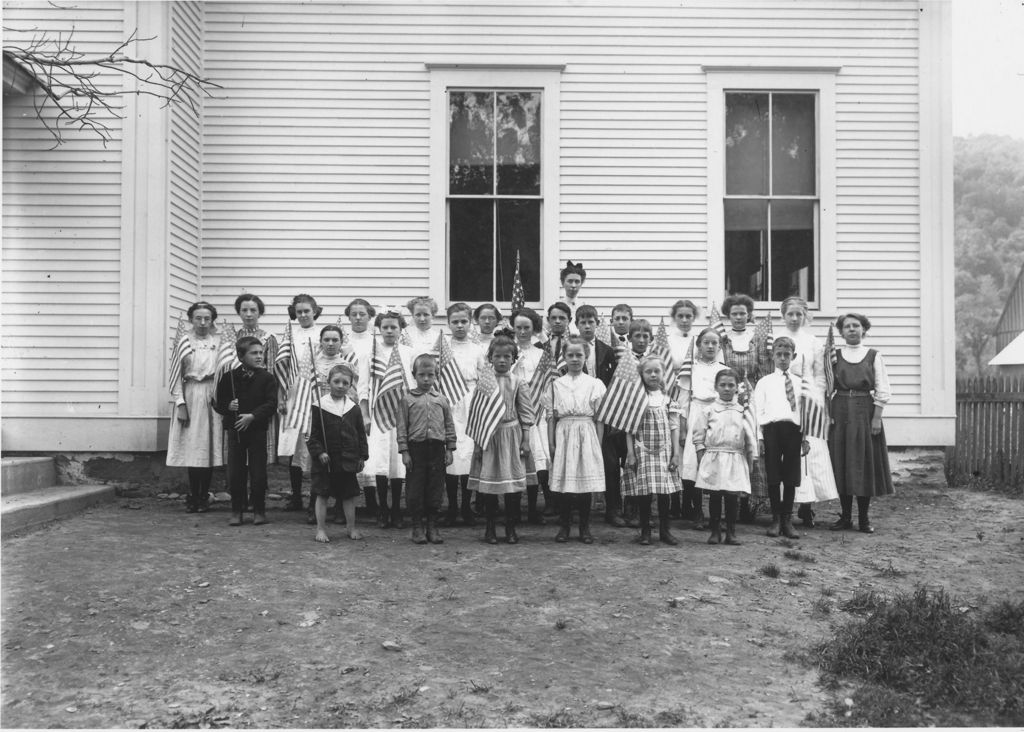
x: 24, y: 512
x: 25, y: 474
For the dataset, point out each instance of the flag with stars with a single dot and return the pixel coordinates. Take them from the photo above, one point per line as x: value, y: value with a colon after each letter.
x: 451, y: 383
x: 486, y: 408
x: 518, y: 295
x: 626, y: 399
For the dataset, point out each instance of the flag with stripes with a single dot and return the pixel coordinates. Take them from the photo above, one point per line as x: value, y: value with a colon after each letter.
x: 769, y: 337
x: 814, y: 420
x: 390, y: 388
x: 181, y: 350
x: 227, y: 350
x: 404, y: 338
x: 604, y: 334
x: 486, y: 408
x: 286, y: 367
x: 542, y: 378
x: 745, y: 396
x: 685, y: 378
x: 829, y: 358
x: 556, y: 345
x: 626, y: 399
x: 662, y: 349
x: 451, y: 383
x: 304, y: 390
x: 715, y: 320
x: 518, y: 295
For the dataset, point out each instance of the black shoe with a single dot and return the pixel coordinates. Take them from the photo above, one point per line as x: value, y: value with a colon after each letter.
x: 294, y: 504
x: 841, y: 524
x: 613, y: 519
x: 563, y: 534
x: 806, y: 514
x: 645, y: 537
x: 510, y: 534
x: 490, y: 535
x: 865, y: 527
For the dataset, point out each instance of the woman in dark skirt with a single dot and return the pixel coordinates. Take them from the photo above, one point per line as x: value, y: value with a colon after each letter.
x: 860, y: 458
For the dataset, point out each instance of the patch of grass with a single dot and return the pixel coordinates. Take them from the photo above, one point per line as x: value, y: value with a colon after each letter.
x: 561, y: 624
x: 1006, y: 617
x: 799, y: 556
x: 769, y: 570
x: 564, y: 717
x: 478, y: 688
x: 262, y: 675
x: 631, y: 719
x: 891, y: 572
x: 788, y: 543
x: 679, y: 717
x: 404, y: 695
x: 801, y: 573
x: 921, y: 646
x: 863, y: 602
x: 821, y: 606
x: 828, y: 591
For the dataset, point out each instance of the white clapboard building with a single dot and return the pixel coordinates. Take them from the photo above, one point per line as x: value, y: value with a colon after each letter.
x: 390, y: 149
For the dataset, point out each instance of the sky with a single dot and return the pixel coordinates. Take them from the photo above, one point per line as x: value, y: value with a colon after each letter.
x: 988, y: 67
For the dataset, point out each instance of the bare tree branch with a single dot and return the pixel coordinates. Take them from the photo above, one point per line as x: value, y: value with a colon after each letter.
x: 71, y: 88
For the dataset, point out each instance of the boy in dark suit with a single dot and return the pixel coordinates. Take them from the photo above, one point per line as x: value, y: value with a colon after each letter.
x: 247, y: 398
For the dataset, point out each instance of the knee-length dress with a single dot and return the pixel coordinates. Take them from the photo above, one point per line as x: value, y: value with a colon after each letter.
x: 747, y: 353
x: 576, y: 465
x: 500, y: 468
x: 652, y: 446
x: 725, y: 434
x: 383, y: 444
x: 860, y: 460
x: 817, y: 483
x: 469, y: 357
x: 701, y: 394
x: 201, y: 443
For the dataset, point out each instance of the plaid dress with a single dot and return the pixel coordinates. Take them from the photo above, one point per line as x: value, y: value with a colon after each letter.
x: 653, y: 446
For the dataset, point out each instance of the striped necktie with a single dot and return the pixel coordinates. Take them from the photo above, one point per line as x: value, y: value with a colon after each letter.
x: 790, y: 395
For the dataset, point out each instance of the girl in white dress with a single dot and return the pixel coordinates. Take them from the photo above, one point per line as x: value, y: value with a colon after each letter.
x: 685, y: 504
x: 385, y: 463
x: 574, y: 436
x: 817, y: 482
x: 527, y: 323
x: 293, y: 366
x: 486, y: 318
x: 359, y: 344
x: 470, y: 358
x: 196, y: 439
x: 726, y: 451
x: 422, y: 337
x: 700, y: 394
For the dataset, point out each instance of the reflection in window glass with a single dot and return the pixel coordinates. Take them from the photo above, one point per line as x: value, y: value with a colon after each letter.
x: 793, y: 164
x: 494, y: 193
x: 746, y: 144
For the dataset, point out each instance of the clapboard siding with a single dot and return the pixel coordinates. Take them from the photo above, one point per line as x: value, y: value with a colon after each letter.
x: 316, y: 156
x: 61, y: 236
x: 185, y: 165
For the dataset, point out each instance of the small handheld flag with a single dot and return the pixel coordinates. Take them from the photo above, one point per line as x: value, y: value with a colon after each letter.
x: 181, y: 349
x: 389, y: 393
x: 226, y: 353
x: 543, y: 375
x: 626, y: 399
x: 451, y: 383
x: 518, y: 295
x: 830, y: 360
x: 486, y: 409
x: 715, y: 320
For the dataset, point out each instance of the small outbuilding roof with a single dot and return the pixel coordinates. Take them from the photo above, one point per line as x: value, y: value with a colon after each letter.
x: 1012, y: 355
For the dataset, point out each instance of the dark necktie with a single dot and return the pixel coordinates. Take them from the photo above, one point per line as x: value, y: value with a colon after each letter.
x: 790, y: 396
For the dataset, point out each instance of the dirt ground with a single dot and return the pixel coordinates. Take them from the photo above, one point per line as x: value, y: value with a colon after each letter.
x: 138, y: 614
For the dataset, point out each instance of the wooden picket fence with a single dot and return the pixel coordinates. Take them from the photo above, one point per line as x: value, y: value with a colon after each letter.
x: 989, y: 431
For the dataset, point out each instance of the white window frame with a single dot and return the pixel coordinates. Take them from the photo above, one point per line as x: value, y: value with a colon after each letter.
x: 822, y: 82
x: 543, y: 78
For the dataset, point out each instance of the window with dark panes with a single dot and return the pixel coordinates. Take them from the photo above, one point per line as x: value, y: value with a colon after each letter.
x: 494, y: 194
x: 771, y: 195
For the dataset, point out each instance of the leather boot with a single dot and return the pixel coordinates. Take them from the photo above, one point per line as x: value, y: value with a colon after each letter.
x: 716, y: 533
x: 417, y: 531
x: 806, y: 514
x: 786, y: 527
x: 467, y: 507
x: 295, y: 478
x: 433, y: 533
x: 664, y: 535
x: 383, y: 514
x: 584, y: 503
x: 773, y: 528
x: 645, y: 520
x: 513, y: 505
x: 511, y: 536
x: 549, y: 500
x: 564, y: 522
x: 730, y: 533
x: 731, y: 514
x: 490, y: 536
x: 451, y: 488
x: 396, y: 504
x: 629, y: 513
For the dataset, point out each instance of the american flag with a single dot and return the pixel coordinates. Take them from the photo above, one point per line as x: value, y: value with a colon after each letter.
x: 286, y: 365
x: 404, y: 338
x: 745, y: 396
x: 686, y: 370
x: 226, y: 354
x: 661, y: 348
x: 830, y: 361
x: 604, y: 334
x: 303, y: 395
x: 389, y: 393
x: 451, y: 383
x: 518, y: 296
x: 181, y: 348
x: 769, y: 336
x: 486, y: 409
x: 715, y: 320
x: 762, y: 328
x: 542, y: 378
x: 556, y: 345
x: 814, y: 420
x: 626, y: 399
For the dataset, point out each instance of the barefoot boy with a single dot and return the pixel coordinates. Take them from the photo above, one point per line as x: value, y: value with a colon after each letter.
x: 337, y: 441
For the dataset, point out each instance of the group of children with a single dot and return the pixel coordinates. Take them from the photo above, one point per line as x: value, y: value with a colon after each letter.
x: 704, y: 440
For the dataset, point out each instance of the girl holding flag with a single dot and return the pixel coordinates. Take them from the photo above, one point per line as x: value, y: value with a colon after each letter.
x: 817, y: 483
x: 527, y: 324
x: 196, y: 439
x: 294, y: 370
x: 359, y: 345
x: 382, y: 379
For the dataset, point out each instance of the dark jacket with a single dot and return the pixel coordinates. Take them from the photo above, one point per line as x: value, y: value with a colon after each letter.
x: 605, y: 360
x: 256, y: 392
x: 346, y: 439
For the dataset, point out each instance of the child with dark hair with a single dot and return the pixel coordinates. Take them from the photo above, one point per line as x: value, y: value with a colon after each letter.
x: 426, y: 442
x: 247, y: 399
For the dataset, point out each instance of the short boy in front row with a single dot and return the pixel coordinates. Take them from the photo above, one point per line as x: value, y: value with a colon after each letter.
x: 247, y: 398
x: 426, y: 441
x: 780, y: 437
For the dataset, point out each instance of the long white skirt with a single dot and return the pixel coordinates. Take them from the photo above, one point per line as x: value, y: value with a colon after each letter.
x: 539, y: 444
x: 577, y: 466
x: 817, y: 482
x: 384, y: 456
x: 201, y: 444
